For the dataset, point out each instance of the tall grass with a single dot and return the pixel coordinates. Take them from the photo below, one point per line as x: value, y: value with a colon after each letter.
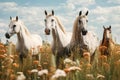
x: 102, y: 68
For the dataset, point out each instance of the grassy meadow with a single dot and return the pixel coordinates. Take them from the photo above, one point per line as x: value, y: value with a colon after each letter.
x: 102, y: 68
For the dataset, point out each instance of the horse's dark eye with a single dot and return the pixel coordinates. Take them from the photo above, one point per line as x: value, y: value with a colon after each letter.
x: 52, y: 20
x: 14, y: 26
x: 45, y: 20
x: 80, y: 21
x: 86, y: 20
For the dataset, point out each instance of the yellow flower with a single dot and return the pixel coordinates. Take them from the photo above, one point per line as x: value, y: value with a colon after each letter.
x: 12, y: 77
x: 2, y: 56
x: 15, y: 65
x: 106, y: 66
x: 35, y: 62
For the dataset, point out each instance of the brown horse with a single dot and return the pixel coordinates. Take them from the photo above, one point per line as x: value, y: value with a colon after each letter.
x: 107, y: 45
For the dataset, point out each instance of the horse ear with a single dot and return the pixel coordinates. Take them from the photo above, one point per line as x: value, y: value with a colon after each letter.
x: 10, y: 18
x: 52, y: 12
x: 86, y: 13
x: 103, y: 26
x: 45, y: 12
x: 16, y: 18
x: 80, y: 13
x: 110, y: 27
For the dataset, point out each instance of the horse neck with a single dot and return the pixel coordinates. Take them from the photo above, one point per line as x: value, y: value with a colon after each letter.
x: 76, y: 36
x: 23, y: 35
x: 58, y: 36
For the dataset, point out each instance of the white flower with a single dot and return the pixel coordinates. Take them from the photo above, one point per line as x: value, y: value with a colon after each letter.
x: 59, y: 73
x: 45, y: 71
x: 74, y: 68
x: 67, y: 60
x: 20, y: 76
x: 34, y: 71
x: 90, y: 76
x: 100, y: 76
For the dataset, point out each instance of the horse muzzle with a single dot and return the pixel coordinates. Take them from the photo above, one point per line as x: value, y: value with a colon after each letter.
x: 47, y: 31
x: 84, y: 32
x: 7, y: 35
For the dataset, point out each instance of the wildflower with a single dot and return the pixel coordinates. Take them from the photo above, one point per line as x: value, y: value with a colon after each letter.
x: 103, y: 58
x: 39, y: 67
x: 11, y: 56
x: 20, y: 76
x: 59, y: 73
x: 34, y: 71
x: 66, y: 70
x: 2, y: 56
x: 106, y: 66
x: 10, y: 71
x: 102, y: 48
x: 16, y: 65
x: 29, y: 72
x: 87, y: 56
x: 12, y: 77
x: 45, y: 71
x: 67, y: 60
x: 90, y: 76
x: 36, y: 62
x: 73, y: 68
x: 117, y: 63
x: 100, y: 76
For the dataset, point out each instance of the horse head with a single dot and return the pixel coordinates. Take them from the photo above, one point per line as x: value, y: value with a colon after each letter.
x: 50, y: 22
x: 14, y: 27
x: 107, y: 33
x: 82, y: 22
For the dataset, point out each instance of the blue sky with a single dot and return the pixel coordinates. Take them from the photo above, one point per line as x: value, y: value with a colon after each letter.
x: 31, y: 12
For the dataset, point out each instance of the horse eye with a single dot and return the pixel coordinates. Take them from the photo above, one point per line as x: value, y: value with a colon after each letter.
x: 14, y: 26
x: 52, y: 20
x: 80, y: 21
x: 45, y: 20
x: 86, y: 20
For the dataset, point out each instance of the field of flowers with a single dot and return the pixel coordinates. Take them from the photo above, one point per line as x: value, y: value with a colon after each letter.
x: 102, y: 68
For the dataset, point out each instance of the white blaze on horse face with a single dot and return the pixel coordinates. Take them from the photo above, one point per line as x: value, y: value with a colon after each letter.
x: 83, y: 22
x: 50, y: 22
x: 14, y: 27
x: 108, y: 34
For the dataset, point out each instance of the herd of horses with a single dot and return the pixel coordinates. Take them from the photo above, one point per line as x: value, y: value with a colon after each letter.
x: 64, y: 43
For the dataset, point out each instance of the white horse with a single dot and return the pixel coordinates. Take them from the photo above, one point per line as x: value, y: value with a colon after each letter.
x: 25, y: 40
x: 81, y: 37
x: 61, y: 38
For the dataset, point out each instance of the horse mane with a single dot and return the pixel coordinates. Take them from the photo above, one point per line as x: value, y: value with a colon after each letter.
x: 59, y: 23
x: 103, y: 39
x: 25, y: 28
x: 75, y: 27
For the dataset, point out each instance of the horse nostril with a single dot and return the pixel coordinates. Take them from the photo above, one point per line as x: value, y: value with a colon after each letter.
x: 49, y: 31
x: 84, y: 32
x: 7, y: 35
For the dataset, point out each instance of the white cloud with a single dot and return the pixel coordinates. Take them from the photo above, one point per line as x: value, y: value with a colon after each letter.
x: 114, y: 1
x: 106, y: 10
x: 2, y: 25
x: 8, y: 4
x: 101, y: 19
x: 2, y: 31
x: 81, y: 2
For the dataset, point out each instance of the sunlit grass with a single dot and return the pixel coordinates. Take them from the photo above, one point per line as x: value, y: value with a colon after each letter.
x: 105, y: 68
